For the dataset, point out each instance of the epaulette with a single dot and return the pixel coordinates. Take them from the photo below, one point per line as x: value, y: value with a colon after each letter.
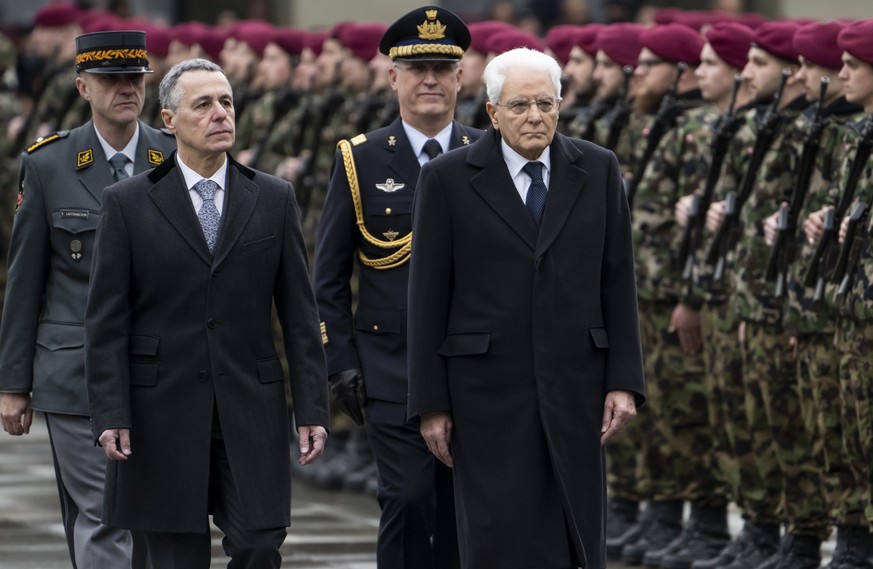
x: 360, y: 139
x: 44, y: 140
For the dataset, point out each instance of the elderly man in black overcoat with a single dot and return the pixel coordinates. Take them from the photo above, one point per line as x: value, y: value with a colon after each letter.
x: 524, y: 346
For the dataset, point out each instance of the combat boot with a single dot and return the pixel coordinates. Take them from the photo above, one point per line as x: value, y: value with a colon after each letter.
x: 705, y: 536
x: 762, y: 542
x: 795, y: 552
x: 621, y: 515
x: 615, y: 545
x: 853, y: 550
x: 727, y: 555
x: 666, y: 525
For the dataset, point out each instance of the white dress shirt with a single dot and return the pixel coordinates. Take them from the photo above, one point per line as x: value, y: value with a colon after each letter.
x: 417, y: 140
x: 192, y: 177
x: 515, y: 162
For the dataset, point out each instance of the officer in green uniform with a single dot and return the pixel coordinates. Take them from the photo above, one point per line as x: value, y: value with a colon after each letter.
x: 42, y: 332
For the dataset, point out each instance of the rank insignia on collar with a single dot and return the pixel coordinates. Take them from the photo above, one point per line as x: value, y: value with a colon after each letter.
x: 156, y: 157
x: 392, y: 141
x: 391, y: 235
x: 465, y: 140
x: 84, y: 158
x: 389, y: 186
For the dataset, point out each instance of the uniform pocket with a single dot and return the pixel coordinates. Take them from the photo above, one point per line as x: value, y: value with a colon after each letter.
x: 379, y: 321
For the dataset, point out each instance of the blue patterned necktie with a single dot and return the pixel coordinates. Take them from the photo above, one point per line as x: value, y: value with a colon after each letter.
x: 118, y: 162
x: 208, y: 215
x: 537, y: 192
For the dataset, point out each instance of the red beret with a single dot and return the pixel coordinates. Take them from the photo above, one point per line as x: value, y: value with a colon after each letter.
x: 857, y: 40
x: 337, y: 29
x: 100, y: 21
x: 158, y: 40
x: 314, y: 41
x: 290, y: 40
x: 817, y: 42
x: 586, y: 38
x: 506, y: 40
x: 559, y: 40
x: 212, y: 41
x: 699, y: 19
x: 621, y: 43
x: 254, y: 33
x: 751, y: 19
x: 188, y: 33
x: 730, y: 41
x: 674, y: 42
x: 777, y: 38
x: 481, y: 32
x: 363, y: 39
x: 56, y: 15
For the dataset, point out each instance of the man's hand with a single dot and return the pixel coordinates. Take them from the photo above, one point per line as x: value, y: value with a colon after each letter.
x: 715, y: 216
x: 844, y: 229
x: 771, y: 228
x: 312, y: 440
x: 685, y: 322
x: 436, y: 428
x: 618, y: 409
x: 813, y: 227
x: 16, y: 413
x: 347, y: 389
x: 682, y: 210
x: 116, y: 443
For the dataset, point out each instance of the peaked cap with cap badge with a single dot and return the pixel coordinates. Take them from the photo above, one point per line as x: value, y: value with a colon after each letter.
x: 112, y: 52
x: 426, y: 33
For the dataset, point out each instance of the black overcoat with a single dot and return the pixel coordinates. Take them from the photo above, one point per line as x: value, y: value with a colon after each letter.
x: 173, y: 332
x: 520, y: 333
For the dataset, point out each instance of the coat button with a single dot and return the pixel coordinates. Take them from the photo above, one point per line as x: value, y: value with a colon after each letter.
x: 216, y: 273
x: 202, y: 376
x: 211, y: 324
x: 375, y: 327
x: 387, y: 211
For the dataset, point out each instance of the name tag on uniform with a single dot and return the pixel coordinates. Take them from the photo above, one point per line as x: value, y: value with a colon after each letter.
x: 75, y: 213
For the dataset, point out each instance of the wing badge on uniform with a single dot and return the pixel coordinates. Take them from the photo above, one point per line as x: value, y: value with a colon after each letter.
x: 389, y: 186
x: 391, y: 235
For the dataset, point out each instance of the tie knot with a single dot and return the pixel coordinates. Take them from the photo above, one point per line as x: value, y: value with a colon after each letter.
x: 432, y: 148
x: 534, y: 170
x: 206, y: 189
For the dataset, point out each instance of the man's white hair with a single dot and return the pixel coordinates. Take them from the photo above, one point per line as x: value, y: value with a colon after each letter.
x: 520, y: 58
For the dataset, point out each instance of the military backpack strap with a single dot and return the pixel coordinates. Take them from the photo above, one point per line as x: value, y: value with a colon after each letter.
x: 396, y: 258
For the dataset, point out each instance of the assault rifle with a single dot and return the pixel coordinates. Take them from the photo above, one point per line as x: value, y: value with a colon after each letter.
x: 729, y: 232
x: 622, y: 110
x: 857, y: 236
x: 785, y: 249
x: 693, y: 234
x: 823, y: 260
x: 664, y: 119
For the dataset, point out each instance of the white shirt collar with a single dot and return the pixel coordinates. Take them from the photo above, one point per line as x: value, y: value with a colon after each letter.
x: 515, y: 161
x: 417, y: 140
x: 192, y: 177
x: 129, y: 150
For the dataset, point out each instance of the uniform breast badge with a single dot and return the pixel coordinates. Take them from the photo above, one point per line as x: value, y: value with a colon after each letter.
x: 389, y: 186
x: 390, y: 235
x: 76, y: 249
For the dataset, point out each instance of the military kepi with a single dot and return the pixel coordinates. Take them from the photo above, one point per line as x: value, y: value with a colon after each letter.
x: 112, y: 52
x: 426, y: 33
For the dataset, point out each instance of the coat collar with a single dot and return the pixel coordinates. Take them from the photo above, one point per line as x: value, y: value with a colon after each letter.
x: 172, y: 199
x: 493, y: 183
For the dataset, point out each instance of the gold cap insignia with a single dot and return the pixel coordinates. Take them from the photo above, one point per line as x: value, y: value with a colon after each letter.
x: 84, y: 158
x: 431, y: 29
x: 389, y: 186
x: 392, y: 141
x: 465, y: 140
x: 156, y: 157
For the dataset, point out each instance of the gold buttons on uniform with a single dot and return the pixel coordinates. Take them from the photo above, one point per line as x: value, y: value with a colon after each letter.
x: 387, y: 211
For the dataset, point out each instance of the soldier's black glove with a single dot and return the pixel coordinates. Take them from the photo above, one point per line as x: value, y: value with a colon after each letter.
x: 347, y: 389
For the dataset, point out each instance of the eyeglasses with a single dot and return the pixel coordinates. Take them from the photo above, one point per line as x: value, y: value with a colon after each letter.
x: 546, y: 105
x: 422, y: 67
x: 647, y: 64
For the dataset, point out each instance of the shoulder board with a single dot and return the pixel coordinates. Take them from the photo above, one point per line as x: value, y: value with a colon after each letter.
x: 42, y: 141
x: 168, y: 132
x: 360, y: 139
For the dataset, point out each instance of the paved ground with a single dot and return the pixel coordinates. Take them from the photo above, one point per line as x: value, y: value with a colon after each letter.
x: 330, y: 530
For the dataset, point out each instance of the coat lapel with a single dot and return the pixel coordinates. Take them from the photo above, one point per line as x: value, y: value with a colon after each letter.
x: 240, y: 198
x: 94, y: 175
x: 496, y: 188
x: 565, y: 184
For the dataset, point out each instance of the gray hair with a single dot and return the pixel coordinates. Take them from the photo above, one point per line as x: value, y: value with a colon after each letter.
x: 169, y: 93
x: 515, y: 59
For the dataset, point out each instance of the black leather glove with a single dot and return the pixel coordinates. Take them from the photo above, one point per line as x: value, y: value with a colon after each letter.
x: 347, y: 389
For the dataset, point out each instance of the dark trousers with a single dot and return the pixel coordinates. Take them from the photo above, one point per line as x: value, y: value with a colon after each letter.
x: 415, y: 493
x: 247, y: 549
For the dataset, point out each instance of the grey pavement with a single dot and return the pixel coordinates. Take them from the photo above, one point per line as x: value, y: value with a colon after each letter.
x: 330, y: 530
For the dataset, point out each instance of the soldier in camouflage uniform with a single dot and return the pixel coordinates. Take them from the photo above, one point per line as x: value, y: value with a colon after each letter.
x: 671, y: 330
x: 470, y: 108
x: 811, y: 324
x: 577, y: 65
x: 583, y: 64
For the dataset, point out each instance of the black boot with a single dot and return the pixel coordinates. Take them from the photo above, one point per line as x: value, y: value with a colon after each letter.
x: 621, y: 515
x: 615, y: 545
x: 853, y: 550
x: 705, y: 536
x: 727, y: 555
x: 665, y: 526
x: 796, y: 552
x: 763, y: 542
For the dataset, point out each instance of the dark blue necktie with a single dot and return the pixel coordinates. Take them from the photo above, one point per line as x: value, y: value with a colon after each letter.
x: 536, y: 193
x: 432, y: 148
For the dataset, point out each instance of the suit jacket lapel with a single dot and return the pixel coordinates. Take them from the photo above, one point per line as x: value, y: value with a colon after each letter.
x: 565, y: 185
x: 97, y: 175
x: 171, y: 198
x: 240, y: 198
x: 496, y: 188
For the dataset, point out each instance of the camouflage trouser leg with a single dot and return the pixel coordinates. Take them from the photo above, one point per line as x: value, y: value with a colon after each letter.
x: 817, y: 366
x: 677, y: 402
x: 771, y: 363
x: 625, y: 476
x: 854, y: 341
